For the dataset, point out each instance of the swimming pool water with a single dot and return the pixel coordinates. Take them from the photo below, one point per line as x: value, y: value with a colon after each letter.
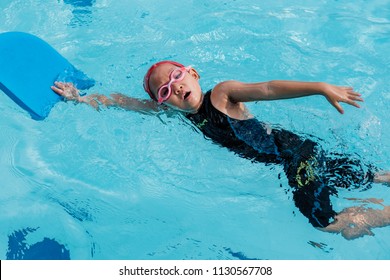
x: 122, y: 185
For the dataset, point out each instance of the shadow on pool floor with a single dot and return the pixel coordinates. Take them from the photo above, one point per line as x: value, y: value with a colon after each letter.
x: 47, y: 249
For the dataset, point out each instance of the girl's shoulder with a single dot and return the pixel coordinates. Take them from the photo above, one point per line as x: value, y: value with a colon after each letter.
x: 220, y: 99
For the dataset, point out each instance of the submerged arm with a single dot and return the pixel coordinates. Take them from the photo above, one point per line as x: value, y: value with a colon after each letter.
x: 273, y: 90
x: 118, y: 100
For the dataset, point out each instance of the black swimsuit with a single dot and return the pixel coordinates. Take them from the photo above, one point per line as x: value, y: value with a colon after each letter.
x: 312, y: 175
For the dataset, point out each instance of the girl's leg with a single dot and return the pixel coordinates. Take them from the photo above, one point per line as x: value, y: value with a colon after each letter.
x: 358, y: 221
x: 382, y: 177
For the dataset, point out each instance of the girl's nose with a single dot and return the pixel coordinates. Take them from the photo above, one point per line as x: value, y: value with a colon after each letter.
x: 177, y: 88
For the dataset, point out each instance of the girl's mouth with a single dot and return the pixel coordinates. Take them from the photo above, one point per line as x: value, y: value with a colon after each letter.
x: 187, y: 94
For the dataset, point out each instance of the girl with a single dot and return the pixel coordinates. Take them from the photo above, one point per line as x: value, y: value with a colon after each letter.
x: 221, y: 115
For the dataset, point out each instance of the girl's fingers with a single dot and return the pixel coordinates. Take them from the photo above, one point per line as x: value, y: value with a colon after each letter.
x: 57, y: 90
x: 59, y: 85
x: 353, y: 103
x: 358, y: 99
x: 338, y: 107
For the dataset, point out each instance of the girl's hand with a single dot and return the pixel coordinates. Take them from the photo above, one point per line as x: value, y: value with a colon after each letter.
x: 67, y: 91
x: 336, y: 94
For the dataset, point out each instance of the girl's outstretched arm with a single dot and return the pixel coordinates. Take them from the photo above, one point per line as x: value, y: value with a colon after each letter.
x: 118, y: 100
x: 236, y: 92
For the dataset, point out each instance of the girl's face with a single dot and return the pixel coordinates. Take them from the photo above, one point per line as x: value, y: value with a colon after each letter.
x: 186, y: 94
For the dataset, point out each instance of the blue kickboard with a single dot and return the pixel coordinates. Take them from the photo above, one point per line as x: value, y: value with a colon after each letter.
x: 29, y: 66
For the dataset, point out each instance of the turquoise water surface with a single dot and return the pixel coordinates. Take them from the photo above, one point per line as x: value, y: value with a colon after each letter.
x: 122, y: 185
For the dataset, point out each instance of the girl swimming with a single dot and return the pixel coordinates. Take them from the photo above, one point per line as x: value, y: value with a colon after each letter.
x: 221, y: 115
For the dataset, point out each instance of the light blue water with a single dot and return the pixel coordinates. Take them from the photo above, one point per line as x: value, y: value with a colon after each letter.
x: 120, y: 185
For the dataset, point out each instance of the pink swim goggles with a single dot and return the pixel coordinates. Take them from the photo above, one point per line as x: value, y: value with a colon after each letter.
x: 165, y: 91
